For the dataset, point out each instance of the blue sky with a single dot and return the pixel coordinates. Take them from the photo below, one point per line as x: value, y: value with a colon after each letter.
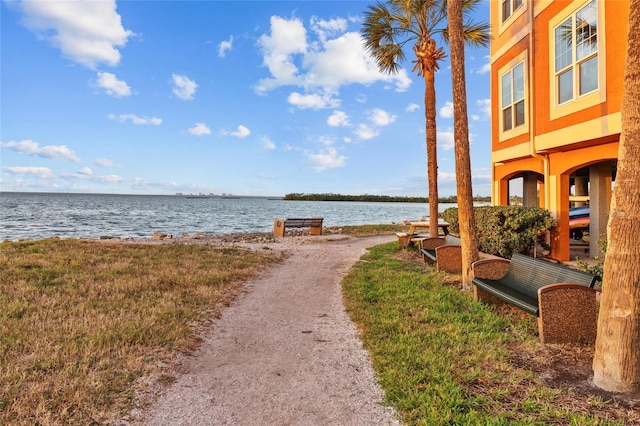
x: 242, y: 97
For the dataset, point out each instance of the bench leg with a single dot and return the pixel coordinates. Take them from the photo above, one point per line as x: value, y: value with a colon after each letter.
x: 278, y: 228
x: 404, y: 241
x: 315, y: 230
x: 568, y: 315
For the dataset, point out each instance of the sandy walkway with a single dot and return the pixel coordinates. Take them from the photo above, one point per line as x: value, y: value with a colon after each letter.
x: 284, y: 353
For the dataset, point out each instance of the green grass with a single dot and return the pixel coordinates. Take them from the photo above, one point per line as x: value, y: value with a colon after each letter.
x: 444, y: 359
x: 82, y: 322
x: 371, y: 230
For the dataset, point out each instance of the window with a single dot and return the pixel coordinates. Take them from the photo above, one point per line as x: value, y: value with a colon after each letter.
x: 576, y: 54
x: 513, y: 97
x: 508, y: 7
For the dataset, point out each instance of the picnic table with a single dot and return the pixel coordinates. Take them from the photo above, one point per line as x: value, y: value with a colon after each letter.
x: 406, y: 239
x: 444, y: 226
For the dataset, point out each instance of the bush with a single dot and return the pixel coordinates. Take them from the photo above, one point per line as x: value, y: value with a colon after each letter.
x: 504, y: 230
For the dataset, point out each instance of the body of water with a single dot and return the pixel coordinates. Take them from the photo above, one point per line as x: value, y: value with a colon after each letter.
x: 44, y: 215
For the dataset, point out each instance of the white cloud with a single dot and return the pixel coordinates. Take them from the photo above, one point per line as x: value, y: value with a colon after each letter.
x: 445, y: 139
x: 184, y: 87
x: 268, y: 143
x: 365, y: 132
x: 342, y: 61
x: 328, y: 28
x: 135, y: 119
x: 485, y: 107
x: 313, y: 101
x: 86, y: 174
x: 224, y: 46
x: 380, y: 117
x: 336, y: 58
x: 103, y: 162
x: 241, y: 132
x: 87, y: 32
x: 486, y: 68
x: 29, y: 147
x: 112, y: 86
x: 39, y: 172
x: 287, y: 37
x: 412, y: 107
x: 199, y: 129
x: 326, y: 140
x: 447, y: 110
x: 446, y: 177
x: 328, y: 158
x: 338, y: 119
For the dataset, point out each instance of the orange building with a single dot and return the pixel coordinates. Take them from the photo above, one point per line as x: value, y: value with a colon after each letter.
x: 556, y: 93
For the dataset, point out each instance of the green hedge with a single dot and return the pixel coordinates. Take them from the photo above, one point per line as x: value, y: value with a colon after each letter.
x: 504, y: 230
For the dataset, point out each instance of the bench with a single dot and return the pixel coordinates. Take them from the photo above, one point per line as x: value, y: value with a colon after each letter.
x: 445, y: 252
x: 314, y: 223
x: 563, y: 299
x: 406, y: 240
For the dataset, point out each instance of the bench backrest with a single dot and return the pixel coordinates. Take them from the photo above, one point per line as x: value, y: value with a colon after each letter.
x: 451, y: 240
x: 528, y: 275
x: 303, y: 222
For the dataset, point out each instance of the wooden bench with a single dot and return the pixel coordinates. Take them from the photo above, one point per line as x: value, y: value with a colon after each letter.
x: 313, y: 223
x: 445, y: 252
x: 563, y: 299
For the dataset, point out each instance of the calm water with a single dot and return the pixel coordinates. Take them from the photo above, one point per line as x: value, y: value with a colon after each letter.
x: 43, y: 215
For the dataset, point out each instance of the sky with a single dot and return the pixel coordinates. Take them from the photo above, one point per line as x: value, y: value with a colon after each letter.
x: 261, y: 98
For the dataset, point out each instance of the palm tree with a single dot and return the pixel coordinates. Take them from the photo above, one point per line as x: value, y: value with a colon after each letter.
x: 616, y: 363
x: 388, y: 28
x: 466, y: 219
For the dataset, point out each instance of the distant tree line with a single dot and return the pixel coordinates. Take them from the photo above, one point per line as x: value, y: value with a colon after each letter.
x: 369, y: 197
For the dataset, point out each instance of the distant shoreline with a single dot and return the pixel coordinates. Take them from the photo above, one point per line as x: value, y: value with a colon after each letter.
x: 288, y: 197
x: 375, y: 198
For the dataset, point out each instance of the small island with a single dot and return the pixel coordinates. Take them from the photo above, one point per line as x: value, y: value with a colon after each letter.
x: 374, y: 198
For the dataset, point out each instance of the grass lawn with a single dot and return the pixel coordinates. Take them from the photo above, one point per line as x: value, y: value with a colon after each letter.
x: 444, y: 359
x: 81, y: 322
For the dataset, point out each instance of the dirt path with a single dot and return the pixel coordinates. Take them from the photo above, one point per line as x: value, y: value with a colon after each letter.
x: 284, y: 353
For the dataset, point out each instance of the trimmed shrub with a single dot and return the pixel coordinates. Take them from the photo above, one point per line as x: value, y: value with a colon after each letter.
x: 504, y: 230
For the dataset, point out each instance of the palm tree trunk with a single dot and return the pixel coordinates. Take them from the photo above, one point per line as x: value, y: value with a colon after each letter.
x: 432, y: 155
x: 616, y: 364
x: 468, y: 230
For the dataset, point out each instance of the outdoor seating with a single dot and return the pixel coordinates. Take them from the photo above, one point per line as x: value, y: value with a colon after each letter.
x: 562, y: 298
x: 314, y: 224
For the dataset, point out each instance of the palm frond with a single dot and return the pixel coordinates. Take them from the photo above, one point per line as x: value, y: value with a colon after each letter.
x: 389, y: 25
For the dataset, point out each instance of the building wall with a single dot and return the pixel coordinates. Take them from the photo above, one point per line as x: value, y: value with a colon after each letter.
x: 555, y: 140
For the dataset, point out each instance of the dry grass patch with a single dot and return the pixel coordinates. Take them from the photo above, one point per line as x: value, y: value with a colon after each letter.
x: 82, y: 321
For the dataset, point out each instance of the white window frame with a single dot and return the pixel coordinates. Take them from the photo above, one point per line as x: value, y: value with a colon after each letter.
x: 511, y: 107
x: 594, y: 97
x: 569, y: 62
x: 520, y: 59
x: 508, y: 8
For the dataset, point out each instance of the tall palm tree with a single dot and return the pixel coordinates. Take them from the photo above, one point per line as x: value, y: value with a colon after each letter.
x: 388, y: 29
x: 616, y: 363
x: 466, y: 219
